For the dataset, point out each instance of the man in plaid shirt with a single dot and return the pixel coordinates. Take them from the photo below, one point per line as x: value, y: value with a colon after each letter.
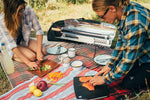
x: 131, y: 56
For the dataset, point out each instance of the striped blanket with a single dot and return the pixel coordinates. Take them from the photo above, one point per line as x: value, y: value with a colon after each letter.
x: 21, y: 78
x: 54, y: 92
x: 84, y: 53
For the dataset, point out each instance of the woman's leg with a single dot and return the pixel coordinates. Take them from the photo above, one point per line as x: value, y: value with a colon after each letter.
x: 26, y: 52
x: 29, y: 52
x: 32, y: 46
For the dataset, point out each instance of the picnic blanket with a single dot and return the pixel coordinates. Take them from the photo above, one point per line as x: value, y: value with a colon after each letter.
x: 54, y: 92
x: 21, y: 78
x: 84, y: 53
x: 66, y: 92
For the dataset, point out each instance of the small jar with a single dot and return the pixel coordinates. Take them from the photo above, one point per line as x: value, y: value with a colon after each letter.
x: 71, y: 52
x: 66, y: 62
x: 61, y: 57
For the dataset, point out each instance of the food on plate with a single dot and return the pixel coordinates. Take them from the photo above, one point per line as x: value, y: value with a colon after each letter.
x: 77, y: 63
x: 85, y: 78
x: 32, y: 88
x: 37, y: 92
x: 88, y: 86
x: 54, y: 76
x: 42, y: 85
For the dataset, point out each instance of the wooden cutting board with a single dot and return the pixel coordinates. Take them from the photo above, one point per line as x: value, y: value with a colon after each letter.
x: 52, y: 63
x: 81, y: 92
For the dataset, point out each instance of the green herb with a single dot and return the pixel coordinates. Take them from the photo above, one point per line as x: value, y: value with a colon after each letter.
x: 59, y: 84
x: 30, y: 68
x: 42, y: 68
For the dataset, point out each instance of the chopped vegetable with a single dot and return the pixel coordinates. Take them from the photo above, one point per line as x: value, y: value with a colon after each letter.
x: 54, y: 76
x: 30, y: 68
x: 47, y: 67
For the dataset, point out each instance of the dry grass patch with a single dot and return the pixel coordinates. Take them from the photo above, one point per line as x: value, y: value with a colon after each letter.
x: 64, y: 11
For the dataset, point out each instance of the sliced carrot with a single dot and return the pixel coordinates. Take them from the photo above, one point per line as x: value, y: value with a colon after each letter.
x: 85, y: 78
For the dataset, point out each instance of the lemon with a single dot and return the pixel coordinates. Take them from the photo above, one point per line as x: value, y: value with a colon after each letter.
x: 32, y: 88
x: 37, y: 92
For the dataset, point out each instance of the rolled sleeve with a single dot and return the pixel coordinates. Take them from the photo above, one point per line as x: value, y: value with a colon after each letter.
x: 35, y: 24
x: 116, y: 54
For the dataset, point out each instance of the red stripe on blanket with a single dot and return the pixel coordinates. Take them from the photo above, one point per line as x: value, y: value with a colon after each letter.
x: 22, y: 87
x: 66, y: 73
x: 90, y: 54
x: 96, y: 69
x: 69, y: 97
x: 27, y: 96
x: 64, y: 87
x: 16, y: 90
x: 110, y: 98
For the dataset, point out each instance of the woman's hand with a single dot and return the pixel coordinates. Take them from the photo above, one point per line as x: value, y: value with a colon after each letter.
x: 104, y: 71
x: 40, y: 56
x: 33, y: 65
x: 97, y: 80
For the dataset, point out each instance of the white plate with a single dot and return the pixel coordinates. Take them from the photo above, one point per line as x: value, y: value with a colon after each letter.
x: 53, y: 50
x: 102, y: 59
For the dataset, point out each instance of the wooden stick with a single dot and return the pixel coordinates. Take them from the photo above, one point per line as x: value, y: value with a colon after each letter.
x: 56, y: 29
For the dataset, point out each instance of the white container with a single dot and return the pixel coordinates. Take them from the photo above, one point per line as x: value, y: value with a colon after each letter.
x: 71, y: 52
x: 7, y: 61
x: 77, y: 65
x: 61, y: 57
x: 66, y: 62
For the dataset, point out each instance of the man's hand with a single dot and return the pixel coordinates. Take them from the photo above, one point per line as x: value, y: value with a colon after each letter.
x: 104, y: 71
x: 97, y: 80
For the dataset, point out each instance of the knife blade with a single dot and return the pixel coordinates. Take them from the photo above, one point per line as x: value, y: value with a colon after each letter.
x: 40, y: 66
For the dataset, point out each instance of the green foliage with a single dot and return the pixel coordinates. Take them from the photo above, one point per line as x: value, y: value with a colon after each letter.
x: 142, y: 1
x: 77, y: 1
x: 40, y: 4
x: 37, y: 4
x: 4, y: 83
x: 1, y: 5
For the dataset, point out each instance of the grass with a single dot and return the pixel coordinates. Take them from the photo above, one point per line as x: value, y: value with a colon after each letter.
x: 4, y: 83
x: 61, y: 11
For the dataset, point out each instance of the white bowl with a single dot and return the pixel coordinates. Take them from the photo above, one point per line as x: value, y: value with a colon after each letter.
x: 77, y: 65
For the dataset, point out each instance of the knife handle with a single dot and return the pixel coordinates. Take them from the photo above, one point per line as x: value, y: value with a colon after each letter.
x: 56, y: 29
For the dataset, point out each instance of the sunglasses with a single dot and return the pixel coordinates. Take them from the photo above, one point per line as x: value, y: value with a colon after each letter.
x: 102, y: 17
